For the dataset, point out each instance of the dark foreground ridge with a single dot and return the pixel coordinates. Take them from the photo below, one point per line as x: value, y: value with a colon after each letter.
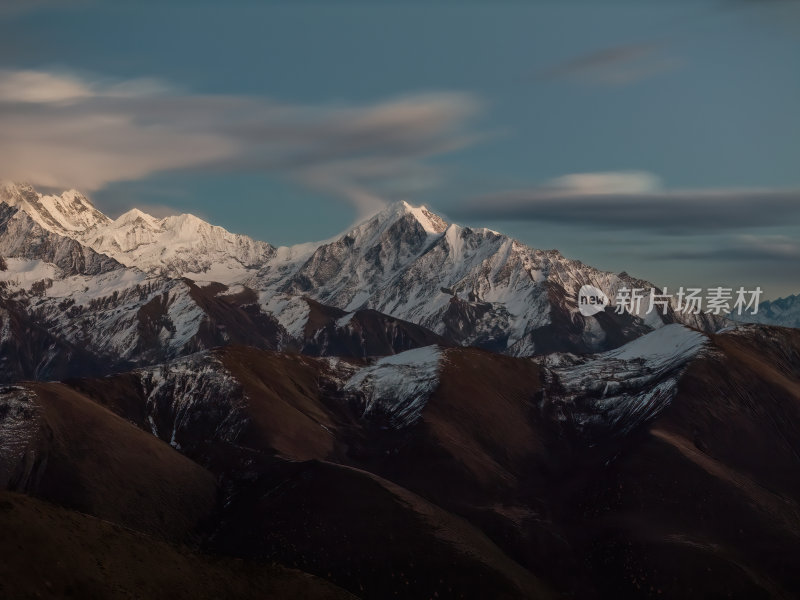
x: 667, y: 468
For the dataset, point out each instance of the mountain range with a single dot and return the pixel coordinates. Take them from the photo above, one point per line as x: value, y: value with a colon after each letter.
x: 411, y: 409
x: 782, y: 311
x: 161, y: 288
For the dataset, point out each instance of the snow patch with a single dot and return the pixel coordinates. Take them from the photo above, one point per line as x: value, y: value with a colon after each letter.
x: 620, y: 389
x: 399, y: 386
x: 669, y: 343
x: 345, y: 320
x: 291, y: 312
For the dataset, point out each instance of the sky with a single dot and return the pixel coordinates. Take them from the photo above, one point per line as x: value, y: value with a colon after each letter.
x: 657, y: 138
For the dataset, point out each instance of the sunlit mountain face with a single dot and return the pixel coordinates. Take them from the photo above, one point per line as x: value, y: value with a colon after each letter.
x: 305, y: 300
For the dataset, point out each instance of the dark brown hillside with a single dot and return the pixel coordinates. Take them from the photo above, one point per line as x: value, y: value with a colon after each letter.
x: 706, y: 501
x: 369, y: 536
x: 50, y: 552
x: 702, y: 500
x: 77, y: 454
x: 285, y: 403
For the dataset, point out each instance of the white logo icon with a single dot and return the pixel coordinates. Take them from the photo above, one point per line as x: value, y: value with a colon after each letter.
x: 591, y: 300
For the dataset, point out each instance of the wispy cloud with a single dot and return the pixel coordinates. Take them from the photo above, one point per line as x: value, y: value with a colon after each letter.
x: 634, y: 201
x: 65, y: 130
x: 42, y: 87
x: 621, y: 64
x: 760, y: 248
x: 614, y: 65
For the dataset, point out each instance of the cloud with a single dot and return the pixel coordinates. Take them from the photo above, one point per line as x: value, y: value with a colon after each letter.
x: 779, y: 248
x: 598, y: 184
x: 633, y: 201
x: 621, y: 64
x: 65, y: 130
x: 36, y: 86
x: 42, y: 87
x: 615, y: 65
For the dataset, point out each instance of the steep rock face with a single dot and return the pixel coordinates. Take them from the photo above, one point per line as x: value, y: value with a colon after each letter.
x: 330, y: 331
x: 371, y: 255
x: 30, y: 350
x: 23, y: 237
x: 120, y: 318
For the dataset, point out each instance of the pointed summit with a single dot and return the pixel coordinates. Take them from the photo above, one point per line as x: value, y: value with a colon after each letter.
x: 133, y: 216
x: 67, y: 214
x: 399, y: 220
x: 430, y: 221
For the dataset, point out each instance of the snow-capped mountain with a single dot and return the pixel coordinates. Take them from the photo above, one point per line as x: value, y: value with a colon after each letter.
x: 474, y: 286
x: 176, y: 246
x: 140, y: 290
x: 48, y: 255
x: 784, y: 312
x: 71, y: 213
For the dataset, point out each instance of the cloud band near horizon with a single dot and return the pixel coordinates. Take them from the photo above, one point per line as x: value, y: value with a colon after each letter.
x: 69, y: 131
x: 626, y: 201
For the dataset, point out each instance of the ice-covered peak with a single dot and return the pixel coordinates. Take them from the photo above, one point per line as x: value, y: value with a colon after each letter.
x: 399, y: 220
x: 67, y: 214
x: 184, y: 220
x: 135, y: 216
x: 430, y: 221
x: 189, y: 225
x: 179, y: 245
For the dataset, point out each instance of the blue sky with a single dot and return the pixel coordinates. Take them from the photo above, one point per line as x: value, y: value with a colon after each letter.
x: 591, y: 127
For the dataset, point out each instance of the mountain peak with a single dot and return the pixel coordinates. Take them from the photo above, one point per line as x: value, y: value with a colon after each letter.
x: 132, y: 216
x: 66, y: 214
x: 178, y: 245
x: 430, y: 221
x: 185, y: 221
